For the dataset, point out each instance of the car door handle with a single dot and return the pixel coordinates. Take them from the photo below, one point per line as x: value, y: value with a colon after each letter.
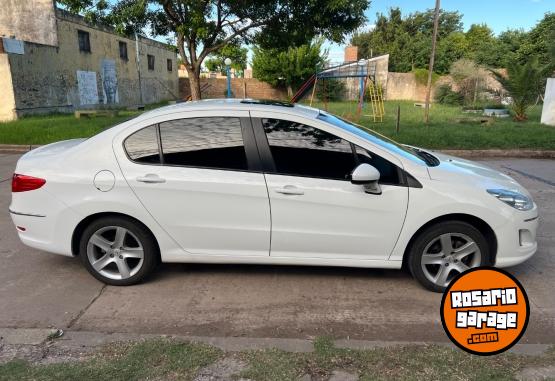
x: 151, y: 179
x: 290, y: 190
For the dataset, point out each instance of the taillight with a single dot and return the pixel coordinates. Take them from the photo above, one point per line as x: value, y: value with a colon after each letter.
x: 23, y: 183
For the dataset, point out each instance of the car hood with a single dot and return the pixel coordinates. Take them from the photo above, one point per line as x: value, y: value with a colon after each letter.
x: 457, y: 170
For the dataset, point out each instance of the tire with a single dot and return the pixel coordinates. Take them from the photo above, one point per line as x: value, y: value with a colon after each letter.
x: 118, y: 251
x: 429, y: 262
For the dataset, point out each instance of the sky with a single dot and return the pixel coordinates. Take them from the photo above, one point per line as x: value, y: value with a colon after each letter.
x: 499, y: 15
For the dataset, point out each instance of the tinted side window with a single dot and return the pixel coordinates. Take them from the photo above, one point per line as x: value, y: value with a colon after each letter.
x: 389, y: 173
x: 204, y: 142
x: 142, y: 146
x: 302, y: 150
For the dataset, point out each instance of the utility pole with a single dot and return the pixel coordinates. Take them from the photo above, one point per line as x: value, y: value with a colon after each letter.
x: 431, y: 66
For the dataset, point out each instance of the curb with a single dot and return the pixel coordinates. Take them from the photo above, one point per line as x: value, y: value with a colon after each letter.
x: 88, y: 339
x: 499, y: 153
x: 17, y: 148
x: 475, y: 154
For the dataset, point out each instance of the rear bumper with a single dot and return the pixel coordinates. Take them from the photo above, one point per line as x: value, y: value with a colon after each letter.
x: 517, y: 239
x: 49, y: 231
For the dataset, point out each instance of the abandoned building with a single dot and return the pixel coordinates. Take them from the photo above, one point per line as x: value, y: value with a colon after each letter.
x: 53, y: 61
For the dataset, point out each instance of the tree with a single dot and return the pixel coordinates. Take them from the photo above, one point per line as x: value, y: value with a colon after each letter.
x: 538, y: 41
x: 407, y: 40
x: 481, y: 43
x: 289, y: 68
x: 524, y: 83
x: 236, y: 53
x: 203, y: 27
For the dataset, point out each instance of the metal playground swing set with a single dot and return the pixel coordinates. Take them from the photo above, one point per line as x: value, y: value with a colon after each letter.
x: 365, y: 71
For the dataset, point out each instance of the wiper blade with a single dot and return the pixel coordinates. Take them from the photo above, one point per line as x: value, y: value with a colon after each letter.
x: 430, y: 159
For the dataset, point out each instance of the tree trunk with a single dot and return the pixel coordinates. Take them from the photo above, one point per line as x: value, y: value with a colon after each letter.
x: 194, y: 82
x: 289, y: 91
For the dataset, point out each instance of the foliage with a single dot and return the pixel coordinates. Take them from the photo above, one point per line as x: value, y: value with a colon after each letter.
x: 408, y: 41
x: 445, y: 95
x: 290, y: 67
x: 538, y: 42
x: 202, y: 28
x: 236, y: 53
x: 421, y: 76
x: 332, y: 89
x: 470, y: 78
x: 524, y: 85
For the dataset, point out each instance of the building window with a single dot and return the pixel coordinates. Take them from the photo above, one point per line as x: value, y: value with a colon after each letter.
x: 170, y: 67
x: 123, y: 51
x: 84, y: 41
x: 150, y: 59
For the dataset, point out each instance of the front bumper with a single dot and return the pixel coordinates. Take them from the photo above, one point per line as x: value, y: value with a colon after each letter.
x: 516, y: 240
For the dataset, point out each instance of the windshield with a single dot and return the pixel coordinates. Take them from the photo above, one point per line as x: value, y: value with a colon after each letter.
x: 408, y: 152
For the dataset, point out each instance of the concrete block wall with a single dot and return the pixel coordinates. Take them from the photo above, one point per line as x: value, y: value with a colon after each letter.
x: 218, y: 88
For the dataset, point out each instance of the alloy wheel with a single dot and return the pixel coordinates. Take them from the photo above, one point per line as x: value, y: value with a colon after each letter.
x: 448, y: 255
x: 115, y: 252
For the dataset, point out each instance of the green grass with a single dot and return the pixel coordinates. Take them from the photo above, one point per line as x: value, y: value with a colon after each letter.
x: 156, y: 359
x: 168, y: 359
x: 443, y: 132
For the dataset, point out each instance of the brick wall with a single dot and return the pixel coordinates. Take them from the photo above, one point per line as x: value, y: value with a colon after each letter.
x: 217, y: 88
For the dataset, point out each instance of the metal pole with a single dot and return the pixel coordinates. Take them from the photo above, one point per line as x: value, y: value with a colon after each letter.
x: 228, y: 72
x: 138, y: 59
x: 431, y: 66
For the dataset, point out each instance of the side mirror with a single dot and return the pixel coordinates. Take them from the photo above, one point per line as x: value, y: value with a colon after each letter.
x: 368, y: 176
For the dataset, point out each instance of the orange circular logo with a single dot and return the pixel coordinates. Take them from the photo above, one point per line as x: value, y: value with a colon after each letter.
x: 485, y: 311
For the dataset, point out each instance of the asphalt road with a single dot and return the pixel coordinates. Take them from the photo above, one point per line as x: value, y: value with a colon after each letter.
x: 40, y: 290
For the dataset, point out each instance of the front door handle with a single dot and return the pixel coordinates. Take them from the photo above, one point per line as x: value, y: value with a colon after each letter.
x: 290, y: 190
x: 151, y: 178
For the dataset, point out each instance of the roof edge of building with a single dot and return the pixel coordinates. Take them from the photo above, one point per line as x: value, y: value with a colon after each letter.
x: 78, y: 19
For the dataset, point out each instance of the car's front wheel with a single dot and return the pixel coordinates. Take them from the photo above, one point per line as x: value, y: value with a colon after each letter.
x: 118, y: 251
x: 443, y: 251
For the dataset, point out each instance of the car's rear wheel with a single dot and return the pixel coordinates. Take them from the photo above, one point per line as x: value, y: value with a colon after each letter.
x: 443, y: 251
x: 118, y: 251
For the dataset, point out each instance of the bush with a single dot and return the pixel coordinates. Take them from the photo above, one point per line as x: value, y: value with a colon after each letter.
x: 446, y: 96
x: 421, y: 76
x: 333, y: 90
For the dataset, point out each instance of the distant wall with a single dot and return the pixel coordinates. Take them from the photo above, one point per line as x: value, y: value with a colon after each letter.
x: 29, y: 20
x: 7, y: 101
x: 218, y: 87
x: 403, y: 86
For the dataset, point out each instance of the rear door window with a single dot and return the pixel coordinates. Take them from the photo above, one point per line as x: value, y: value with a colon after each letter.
x: 212, y: 142
x: 142, y: 146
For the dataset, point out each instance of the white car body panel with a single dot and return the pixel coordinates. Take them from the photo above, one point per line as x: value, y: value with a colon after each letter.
x: 231, y: 217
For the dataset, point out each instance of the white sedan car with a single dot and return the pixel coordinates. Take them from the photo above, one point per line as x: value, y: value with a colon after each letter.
x: 245, y: 181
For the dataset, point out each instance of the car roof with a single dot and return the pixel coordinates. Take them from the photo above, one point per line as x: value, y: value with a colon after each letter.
x: 234, y: 104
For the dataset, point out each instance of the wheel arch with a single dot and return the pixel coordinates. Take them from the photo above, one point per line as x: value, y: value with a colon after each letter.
x: 82, y: 225
x: 480, y: 224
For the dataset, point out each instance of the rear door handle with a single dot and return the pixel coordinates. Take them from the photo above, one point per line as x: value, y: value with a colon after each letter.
x: 290, y: 190
x: 151, y: 178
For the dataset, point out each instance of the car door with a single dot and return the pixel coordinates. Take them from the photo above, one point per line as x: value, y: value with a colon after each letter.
x: 316, y: 211
x: 198, y: 177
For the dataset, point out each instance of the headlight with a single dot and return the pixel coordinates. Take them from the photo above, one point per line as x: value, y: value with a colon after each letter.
x: 512, y: 198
